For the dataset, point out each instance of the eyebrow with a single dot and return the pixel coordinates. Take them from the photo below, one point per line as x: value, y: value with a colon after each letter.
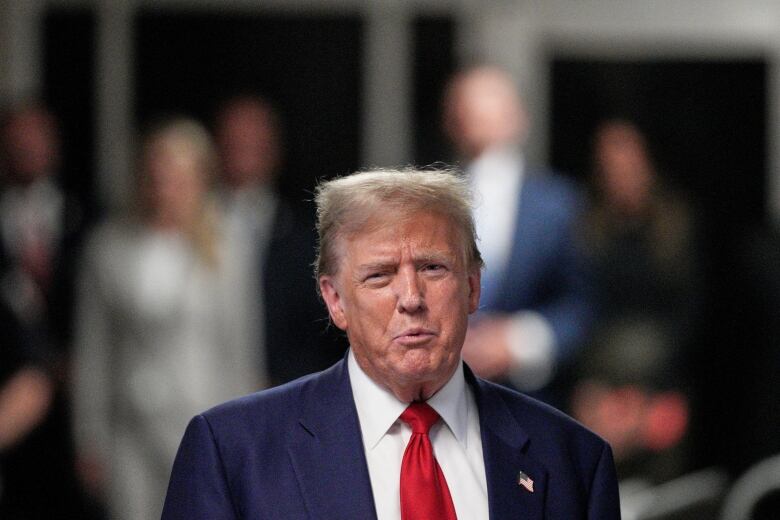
x: 426, y: 257
x: 374, y: 266
x: 434, y: 256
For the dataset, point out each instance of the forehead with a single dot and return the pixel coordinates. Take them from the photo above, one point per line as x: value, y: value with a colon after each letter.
x: 425, y: 231
x: 396, y: 222
x: 485, y: 84
x: 245, y: 117
x: 388, y: 234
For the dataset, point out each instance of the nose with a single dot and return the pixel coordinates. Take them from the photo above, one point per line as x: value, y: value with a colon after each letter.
x: 410, y: 291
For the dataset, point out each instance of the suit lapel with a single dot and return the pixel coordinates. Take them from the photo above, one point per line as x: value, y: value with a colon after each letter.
x: 327, y: 452
x: 504, y: 445
x: 329, y: 461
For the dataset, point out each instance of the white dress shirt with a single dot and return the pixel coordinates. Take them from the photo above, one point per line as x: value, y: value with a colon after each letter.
x: 497, y: 178
x: 456, y: 441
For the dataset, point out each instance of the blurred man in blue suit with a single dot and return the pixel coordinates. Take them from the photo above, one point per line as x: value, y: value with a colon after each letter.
x: 536, y: 307
x: 400, y: 428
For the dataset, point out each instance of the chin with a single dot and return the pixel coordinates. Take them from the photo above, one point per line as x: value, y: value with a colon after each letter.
x: 423, y: 365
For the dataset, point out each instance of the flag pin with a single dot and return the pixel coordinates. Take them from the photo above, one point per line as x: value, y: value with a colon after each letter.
x: 525, y: 481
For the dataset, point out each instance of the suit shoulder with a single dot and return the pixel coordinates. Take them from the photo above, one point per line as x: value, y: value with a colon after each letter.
x: 284, y: 398
x: 275, y: 407
x: 556, y: 190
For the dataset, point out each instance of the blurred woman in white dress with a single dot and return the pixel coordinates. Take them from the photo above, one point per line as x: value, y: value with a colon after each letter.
x: 154, y: 342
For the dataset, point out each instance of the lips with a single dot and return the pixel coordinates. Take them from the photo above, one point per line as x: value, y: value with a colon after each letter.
x: 415, y: 336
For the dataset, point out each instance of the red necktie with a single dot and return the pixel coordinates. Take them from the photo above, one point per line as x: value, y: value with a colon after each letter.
x: 424, y: 491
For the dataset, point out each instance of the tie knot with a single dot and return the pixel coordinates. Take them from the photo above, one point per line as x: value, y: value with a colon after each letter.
x: 420, y: 417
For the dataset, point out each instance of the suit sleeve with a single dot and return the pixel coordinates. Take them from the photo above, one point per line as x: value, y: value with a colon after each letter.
x: 570, y: 311
x: 604, y: 502
x: 198, y: 487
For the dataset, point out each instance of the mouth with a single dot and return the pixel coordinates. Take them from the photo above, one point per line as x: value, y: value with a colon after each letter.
x: 415, y: 336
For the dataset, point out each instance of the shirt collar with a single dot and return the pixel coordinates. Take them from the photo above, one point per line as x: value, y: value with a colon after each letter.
x: 452, y: 405
x: 497, y: 165
x: 378, y: 409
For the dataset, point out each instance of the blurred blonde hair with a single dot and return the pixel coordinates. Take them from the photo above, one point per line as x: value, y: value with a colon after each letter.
x: 191, y: 137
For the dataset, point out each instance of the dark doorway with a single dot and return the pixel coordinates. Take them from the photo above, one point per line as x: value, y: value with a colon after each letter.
x: 434, y: 62
x: 705, y: 121
x: 69, y: 90
x: 308, y: 66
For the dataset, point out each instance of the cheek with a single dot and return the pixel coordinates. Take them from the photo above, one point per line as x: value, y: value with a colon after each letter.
x: 368, y: 312
x: 452, y: 305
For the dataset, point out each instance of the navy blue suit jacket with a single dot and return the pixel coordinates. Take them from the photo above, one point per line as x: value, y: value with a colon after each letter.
x: 295, y: 451
x: 546, y: 271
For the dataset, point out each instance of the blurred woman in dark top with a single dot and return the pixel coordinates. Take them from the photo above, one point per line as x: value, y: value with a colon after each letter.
x: 641, y: 235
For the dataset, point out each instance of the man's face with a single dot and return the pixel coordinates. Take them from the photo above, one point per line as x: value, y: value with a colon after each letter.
x: 31, y: 145
x: 624, y: 170
x: 247, y: 144
x: 403, y: 294
x: 483, y: 111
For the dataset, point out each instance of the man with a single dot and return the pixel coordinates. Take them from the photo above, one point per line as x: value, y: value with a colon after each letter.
x: 399, y: 271
x: 270, y: 248
x: 41, y: 227
x: 535, y: 309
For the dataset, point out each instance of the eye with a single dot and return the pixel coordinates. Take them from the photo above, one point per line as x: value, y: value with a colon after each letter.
x: 375, y: 277
x: 434, y: 268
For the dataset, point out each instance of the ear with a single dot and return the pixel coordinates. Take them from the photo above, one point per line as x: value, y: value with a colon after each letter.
x: 475, y: 289
x: 332, y: 299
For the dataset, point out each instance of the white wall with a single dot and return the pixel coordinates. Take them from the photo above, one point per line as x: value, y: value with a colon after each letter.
x: 20, y: 49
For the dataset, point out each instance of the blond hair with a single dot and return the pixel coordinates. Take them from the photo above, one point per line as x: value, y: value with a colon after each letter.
x: 191, y: 138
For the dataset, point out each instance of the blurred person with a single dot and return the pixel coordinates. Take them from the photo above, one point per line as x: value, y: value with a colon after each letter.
x: 399, y: 428
x: 535, y: 310
x: 154, y: 333
x: 631, y: 389
x: 630, y: 392
x: 641, y: 237
x: 41, y: 225
x: 270, y: 246
x: 26, y: 395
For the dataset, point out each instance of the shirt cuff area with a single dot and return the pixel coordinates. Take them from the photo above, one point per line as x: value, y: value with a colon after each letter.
x: 531, y: 342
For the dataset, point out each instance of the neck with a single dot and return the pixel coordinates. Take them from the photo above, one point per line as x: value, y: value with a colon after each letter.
x: 407, y: 391
x: 412, y: 393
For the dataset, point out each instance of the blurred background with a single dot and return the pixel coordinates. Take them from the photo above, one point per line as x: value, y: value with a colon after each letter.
x: 127, y: 118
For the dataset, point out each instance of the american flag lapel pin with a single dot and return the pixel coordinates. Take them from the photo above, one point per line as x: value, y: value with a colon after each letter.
x: 525, y: 481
